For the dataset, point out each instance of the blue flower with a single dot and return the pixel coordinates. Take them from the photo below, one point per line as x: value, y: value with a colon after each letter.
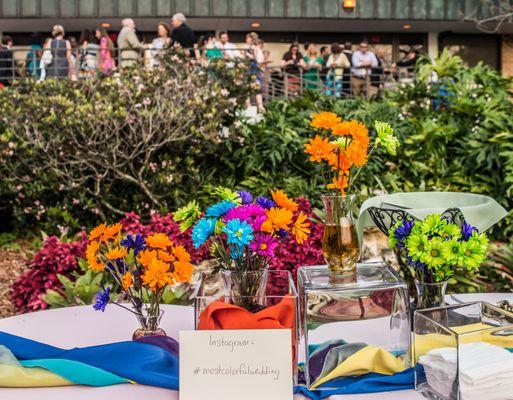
x: 203, y: 229
x: 246, y: 197
x: 102, y: 299
x: 219, y: 209
x: 283, y: 233
x: 238, y: 232
x: 236, y: 252
x: 265, y: 202
x: 403, y: 231
x: 135, y: 242
x: 467, y: 230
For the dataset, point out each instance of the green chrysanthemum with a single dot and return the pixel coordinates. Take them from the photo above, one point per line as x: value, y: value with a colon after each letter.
x: 392, y: 239
x: 187, y: 215
x: 472, y: 254
x: 433, y: 257
x: 386, y: 137
x: 451, y: 251
x: 433, y: 224
x: 227, y: 194
x: 450, y: 230
x: 417, y: 246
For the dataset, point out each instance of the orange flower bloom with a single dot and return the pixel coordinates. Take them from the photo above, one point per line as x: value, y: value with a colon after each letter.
x: 301, y: 228
x: 127, y: 281
x: 320, y: 149
x: 339, y: 161
x: 277, y: 218
x: 282, y: 200
x: 342, y: 129
x: 146, y: 256
x: 183, y: 271
x: 116, y: 253
x: 92, y: 256
x: 182, y: 254
x: 360, y: 133
x: 157, y: 275
x: 111, y: 232
x: 340, y: 183
x: 159, y: 241
x: 357, y: 153
x: 97, y: 232
x: 325, y: 120
x: 165, y: 256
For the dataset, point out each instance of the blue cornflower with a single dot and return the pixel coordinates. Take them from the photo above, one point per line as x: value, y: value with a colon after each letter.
x: 219, y: 209
x: 283, y: 233
x: 403, y: 231
x: 245, y: 197
x: 203, y: 229
x: 238, y: 232
x: 135, y: 242
x: 236, y: 252
x: 265, y: 202
x: 102, y: 299
x: 467, y: 230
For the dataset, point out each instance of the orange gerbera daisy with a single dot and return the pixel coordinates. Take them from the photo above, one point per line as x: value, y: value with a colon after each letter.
x: 341, y: 182
x: 182, y: 254
x: 325, y: 120
x: 116, y: 253
x: 282, y: 200
x: 183, y: 271
x: 300, y: 229
x: 277, y: 218
x: 339, y: 161
x: 92, y: 257
x: 319, y: 148
x: 157, y: 275
x: 165, y: 256
x: 111, y: 231
x: 342, y: 129
x: 127, y: 281
x: 158, y: 241
x: 97, y: 232
x: 146, y: 256
x: 357, y: 153
x: 360, y: 132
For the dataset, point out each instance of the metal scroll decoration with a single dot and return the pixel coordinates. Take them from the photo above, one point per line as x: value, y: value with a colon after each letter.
x: 385, y: 218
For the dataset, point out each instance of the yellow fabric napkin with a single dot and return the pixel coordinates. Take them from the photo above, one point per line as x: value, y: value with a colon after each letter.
x: 22, y: 377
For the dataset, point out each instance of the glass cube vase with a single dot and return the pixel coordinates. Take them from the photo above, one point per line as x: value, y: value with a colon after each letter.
x: 278, y: 307
x: 354, y: 324
x: 464, y: 352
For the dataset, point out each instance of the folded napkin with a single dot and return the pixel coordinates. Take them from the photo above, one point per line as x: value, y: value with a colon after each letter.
x: 152, y: 364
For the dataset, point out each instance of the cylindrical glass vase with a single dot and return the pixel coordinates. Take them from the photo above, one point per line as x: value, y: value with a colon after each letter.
x: 340, y: 241
x: 245, y: 289
x: 430, y: 295
x: 149, y: 325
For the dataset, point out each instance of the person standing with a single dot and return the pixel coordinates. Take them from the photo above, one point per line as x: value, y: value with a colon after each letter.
x: 107, y: 62
x: 34, y: 55
x: 61, y: 54
x: 229, y: 49
x: 161, y: 42
x: 312, y: 64
x: 346, y: 80
x: 325, y: 54
x: 128, y: 44
x: 337, y: 63
x: 363, y: 61
x: 6, y: 61
x: 291, y: 64
x: 256, y: 59
x: 377, y: 73
x: 183, y: 35
x: 88, y: 53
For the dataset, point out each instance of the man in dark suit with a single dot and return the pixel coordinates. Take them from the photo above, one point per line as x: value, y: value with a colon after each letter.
x: 182, y: 33
x: 6, y: 61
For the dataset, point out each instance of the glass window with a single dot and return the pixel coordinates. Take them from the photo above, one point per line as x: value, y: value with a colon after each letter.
x: 48, y: 8
x: 257, y: 8
x: 86, y: 8
x: 67, y: 9
x: 106, y: 8
x: 29, y: 8
x: 420, y: 9
x: 126, y: 8
x: 239, y: 8
x: 402, y: 9
x: 293, y: 8
x: 201, y: 8
x: 331, y: 8
x: 144, y: 8
x: 9, y: 8
x: 313, y: 9
x: 183, y: 6
x: 384, y: 9
x: 276, y: 8
x: 437, y: 9
x: 453, y: 9
x: 367, y: 8
x: 220, y: 7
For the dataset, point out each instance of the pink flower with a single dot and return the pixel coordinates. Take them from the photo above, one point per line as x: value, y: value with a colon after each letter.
x: 253, y: 214
x: 264, y: 244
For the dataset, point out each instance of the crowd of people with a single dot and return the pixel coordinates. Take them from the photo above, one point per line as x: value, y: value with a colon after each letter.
x: 336, y: 69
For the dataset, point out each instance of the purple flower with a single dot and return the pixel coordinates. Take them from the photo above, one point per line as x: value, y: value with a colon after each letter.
x: 264, y: 244
x: 251, y: 213
x: 467, y: 230
x: 102, y: 299
x: 265, y: 202
x: 283, y: 233
x: 403, y: 231
x: 246, y: 197
x: 135, y: 242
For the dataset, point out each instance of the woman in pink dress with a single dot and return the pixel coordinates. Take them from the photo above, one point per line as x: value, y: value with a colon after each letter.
x: 107, y: 62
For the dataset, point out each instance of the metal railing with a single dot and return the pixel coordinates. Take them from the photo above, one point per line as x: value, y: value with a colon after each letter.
x: 273, y: 82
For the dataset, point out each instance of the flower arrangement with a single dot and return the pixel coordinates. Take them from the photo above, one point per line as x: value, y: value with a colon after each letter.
x: 141, y: 265
x: 244, y: 232
x: 435, y: 247
x: 344, y: 145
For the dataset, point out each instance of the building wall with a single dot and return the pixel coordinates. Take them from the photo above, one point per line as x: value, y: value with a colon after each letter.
x: 507, y: 55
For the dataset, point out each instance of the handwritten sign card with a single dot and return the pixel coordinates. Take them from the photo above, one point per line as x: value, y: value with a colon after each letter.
x: 236, y: 365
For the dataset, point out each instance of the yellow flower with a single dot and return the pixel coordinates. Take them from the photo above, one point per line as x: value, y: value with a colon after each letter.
x: 111, y: 232
x: 97, y: 232
x: 127, y: 281
x: 159, y: 241
x: 301, y: 228
x: 92, y: 257
x: 325, y: 120
x: 146, y: 256
x: 182, y: 271
x: 116, y: 253
x: 277, y: 218
x: 182, y: 254
x: 157, y: 275
x: 282, y: 200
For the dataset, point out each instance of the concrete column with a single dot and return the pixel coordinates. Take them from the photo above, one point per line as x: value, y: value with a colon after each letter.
x: 507, y: 55
x: 433, y: 50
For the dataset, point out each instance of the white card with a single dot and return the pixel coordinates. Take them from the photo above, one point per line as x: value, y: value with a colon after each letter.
x: 236, y: 365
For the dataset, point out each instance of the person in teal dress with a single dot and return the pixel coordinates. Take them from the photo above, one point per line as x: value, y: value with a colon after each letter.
x: 312, y: 64
x: 34, y: 55
x: 211, y: 49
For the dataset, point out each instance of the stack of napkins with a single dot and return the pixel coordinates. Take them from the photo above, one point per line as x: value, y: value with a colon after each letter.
x: 486, y: 371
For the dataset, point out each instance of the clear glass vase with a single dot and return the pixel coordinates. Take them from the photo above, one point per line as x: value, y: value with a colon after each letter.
x: 245, y: 289
x: 430, y: 295
x: 149, y: 324
x: 340, y: 241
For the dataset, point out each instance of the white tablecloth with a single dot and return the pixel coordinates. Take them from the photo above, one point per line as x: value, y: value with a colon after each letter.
x: 82, y: 326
